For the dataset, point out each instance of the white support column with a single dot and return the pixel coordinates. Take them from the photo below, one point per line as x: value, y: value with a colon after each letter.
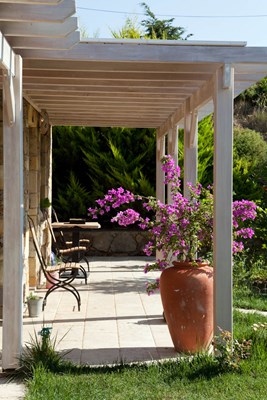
x: 223, y: 193
x: 190, y: 147
x: 13, y: 226
x: 173, y: 151
x: 160, y: 187
x: 160, y: 176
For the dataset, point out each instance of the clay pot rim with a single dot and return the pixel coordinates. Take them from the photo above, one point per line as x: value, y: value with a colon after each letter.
x: 190, y: 264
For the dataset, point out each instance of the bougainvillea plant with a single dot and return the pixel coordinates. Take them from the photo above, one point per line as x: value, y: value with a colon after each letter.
x: 182, y: 229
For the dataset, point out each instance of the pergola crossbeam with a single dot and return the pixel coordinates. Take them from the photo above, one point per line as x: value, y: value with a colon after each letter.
x: 39, y: 29
x: 38, y: 13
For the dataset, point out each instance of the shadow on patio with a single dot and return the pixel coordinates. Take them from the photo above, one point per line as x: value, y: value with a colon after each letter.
x: 118, y: 321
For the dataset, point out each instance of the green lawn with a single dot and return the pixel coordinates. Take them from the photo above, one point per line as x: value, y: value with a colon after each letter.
x: 245, y: 297
x: 199, y: 378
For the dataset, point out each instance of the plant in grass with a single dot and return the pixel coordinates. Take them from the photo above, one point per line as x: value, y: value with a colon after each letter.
x: 229, y: 352
x: 182, y: 229
x: 40, y: 351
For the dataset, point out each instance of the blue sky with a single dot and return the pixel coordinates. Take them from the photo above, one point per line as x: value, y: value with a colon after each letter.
x: 252, y: 30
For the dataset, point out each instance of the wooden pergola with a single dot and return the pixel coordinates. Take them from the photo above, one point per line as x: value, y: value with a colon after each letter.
x: 130, y: 83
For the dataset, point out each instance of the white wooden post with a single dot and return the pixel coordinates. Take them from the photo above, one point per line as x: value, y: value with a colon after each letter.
x: 190, y: 148
x: 160, y: 186
x: 223, y: 193
x: 160, y: 176
x: 13, y: 226
x: 173, y: 151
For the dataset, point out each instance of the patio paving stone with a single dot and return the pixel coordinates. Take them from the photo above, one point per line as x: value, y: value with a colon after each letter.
x: 118, y: 321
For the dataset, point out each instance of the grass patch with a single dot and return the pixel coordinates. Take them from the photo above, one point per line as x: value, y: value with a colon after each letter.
x: 246, y: 297
x: 201, y: 377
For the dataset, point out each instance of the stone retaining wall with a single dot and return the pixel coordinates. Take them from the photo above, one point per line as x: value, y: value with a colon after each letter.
x: 115, y: 242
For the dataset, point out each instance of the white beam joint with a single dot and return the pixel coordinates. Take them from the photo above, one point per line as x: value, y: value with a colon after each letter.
x: 227, y: 77
x: 9, y: 102
x: 193, y: 129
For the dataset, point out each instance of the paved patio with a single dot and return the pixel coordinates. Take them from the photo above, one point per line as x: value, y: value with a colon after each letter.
x: 118, y: 321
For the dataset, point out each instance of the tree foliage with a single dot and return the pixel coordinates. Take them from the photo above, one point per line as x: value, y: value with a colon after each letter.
x: 130, y: 30
x: 154, y: 28
x: 161, y: 28
x: 92, y: 160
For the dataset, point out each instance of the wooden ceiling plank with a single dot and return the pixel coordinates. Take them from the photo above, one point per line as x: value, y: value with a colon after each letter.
x: 113, y: 66
x: 39, y: 29
x: 116, y: 76
x: 73, y: 96
x: 110, y: 102
x: 108, y: 105
x: 95, y: 123
x: 110, y: 83
x: 196, y: 100
x: 182, y: 89
x: 38, y: 13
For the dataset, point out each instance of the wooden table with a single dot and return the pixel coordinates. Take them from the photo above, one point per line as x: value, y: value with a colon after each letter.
x: 75, y: 229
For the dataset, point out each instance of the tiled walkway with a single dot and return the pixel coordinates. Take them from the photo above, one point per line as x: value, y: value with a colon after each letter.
x: 118, y: 321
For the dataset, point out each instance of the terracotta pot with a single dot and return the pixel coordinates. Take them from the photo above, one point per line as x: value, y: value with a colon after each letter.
x: 187, y: 299
x: 55, y: 276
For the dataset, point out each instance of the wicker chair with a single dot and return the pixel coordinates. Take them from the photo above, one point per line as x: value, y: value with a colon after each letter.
x: 64, y: 243
x: 67, y: 254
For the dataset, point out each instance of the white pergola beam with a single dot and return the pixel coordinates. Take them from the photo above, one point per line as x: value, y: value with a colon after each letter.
x: 13, y: 228
x: 194, y: 101
x: 37, y: 13
x: 6, y: 55
x: 39, y: 29
x: 45, y: 43
x: 223, y: 197
x: 33, y: 2
x: 121, y: 50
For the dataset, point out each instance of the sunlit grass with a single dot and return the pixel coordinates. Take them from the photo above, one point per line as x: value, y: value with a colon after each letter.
x: 201, y: 377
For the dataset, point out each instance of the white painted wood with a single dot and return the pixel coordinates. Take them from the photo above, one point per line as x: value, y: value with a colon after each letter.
x: 223, y: 197
x: 113, y: 66
x: 45, y: 43
x: 190, y: 152
x: 156, y: 42
x: 193, y: 133
x: 6, y: 55
x: 120, y: 51
x: 13, y: 228
x: 37, y: 13
x: 39, y: 29
x: 160, y: 187
x: 173, y: 151
x: 198, y: 99
x: 9, y: 97
x: 33, y: 2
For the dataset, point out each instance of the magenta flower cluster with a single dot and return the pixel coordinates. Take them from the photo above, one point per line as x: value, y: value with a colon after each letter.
x: 182, y: 229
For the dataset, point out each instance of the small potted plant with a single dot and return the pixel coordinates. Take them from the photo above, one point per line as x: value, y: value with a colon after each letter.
x: 34, y: 304
x: 44, y: 206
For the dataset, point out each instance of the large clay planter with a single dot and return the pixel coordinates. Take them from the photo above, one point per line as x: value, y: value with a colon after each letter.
x: 187, y: 297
